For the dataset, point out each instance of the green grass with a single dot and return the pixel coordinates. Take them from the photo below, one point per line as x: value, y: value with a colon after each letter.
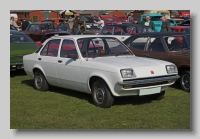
x: 66, y: 109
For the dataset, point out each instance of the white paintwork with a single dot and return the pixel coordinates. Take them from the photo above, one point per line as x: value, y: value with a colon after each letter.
x: 76, y: 75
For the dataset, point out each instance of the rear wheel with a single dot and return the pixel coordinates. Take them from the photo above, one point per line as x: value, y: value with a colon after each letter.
x: 157, y: 96
x: 185, y: 80
x: 101, y: 94
x: 40, y: 82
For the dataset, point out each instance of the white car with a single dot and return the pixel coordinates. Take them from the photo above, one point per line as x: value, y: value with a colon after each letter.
x: 101, y: 66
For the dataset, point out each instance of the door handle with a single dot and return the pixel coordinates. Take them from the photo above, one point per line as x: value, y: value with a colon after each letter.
x: 146, y: 55
x: 39, y: 58
x: 59, y: 61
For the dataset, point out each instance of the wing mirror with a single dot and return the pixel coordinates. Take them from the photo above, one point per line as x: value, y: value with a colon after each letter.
x: 73, y: 56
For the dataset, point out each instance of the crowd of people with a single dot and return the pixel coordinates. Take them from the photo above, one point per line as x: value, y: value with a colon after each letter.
x: 19, y: 24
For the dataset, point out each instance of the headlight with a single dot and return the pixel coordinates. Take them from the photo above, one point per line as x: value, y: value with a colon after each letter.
x: 128, y: 73
x: 171, y: 69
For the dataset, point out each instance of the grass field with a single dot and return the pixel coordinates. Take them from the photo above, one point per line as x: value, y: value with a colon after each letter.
x: 66, y: 109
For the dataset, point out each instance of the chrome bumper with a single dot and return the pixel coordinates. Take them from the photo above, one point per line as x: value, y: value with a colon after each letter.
x: 146, y: 81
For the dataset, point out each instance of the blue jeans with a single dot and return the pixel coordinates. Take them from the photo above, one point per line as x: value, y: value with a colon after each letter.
x: 75, y: 31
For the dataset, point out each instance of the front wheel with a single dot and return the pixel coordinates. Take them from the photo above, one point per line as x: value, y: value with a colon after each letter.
x: 185, y: 80
x: 157, y: 96
x: 101, y: 94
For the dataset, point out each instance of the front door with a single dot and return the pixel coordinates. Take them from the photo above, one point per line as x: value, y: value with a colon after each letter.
x: 68, y: 68
x: 48, y: 60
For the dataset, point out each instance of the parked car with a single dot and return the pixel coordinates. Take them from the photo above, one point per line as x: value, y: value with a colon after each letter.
x: 180, y: 29
x: 156, y: 18
x: 185, y: 23
x: 169, y: 46
x: 113, y: 21
x: 20, y: 45
x: 106, y: 72
x: 37, y: 30
x: 123, y: 31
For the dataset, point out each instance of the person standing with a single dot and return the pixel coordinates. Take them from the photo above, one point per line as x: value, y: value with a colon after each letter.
x: 101, y: 23
x: 76, y: 24
x: 146, y: 22
x: 13, y: 23
x: 165, y: 25
x: 130, y: 18
x: 25, y: 24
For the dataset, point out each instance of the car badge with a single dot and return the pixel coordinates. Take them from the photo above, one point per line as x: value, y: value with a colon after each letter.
x: 152, y: 72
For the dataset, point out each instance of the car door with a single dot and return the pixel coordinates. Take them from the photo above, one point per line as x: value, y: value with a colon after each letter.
x: 48, y: 60
x: 38, y: 33
x: 137, y: 45
x: 155, y: 49
x: 31, y: 32
x: 69, y: 69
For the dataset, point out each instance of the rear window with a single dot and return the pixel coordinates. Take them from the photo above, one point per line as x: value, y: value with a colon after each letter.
x: 20, y: 38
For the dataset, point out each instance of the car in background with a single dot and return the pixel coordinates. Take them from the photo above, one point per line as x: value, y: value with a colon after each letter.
x: 111, y: 71
x: 124, y: 31
x: 113, y: 21
x: 37, y: 30
x: 178, y: 20
x: 20, y: 45
x: 169, y: 46
x: 180, y: 29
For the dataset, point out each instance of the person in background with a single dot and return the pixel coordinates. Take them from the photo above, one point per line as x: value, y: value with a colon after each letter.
x: 165, y: 25
x: 130, y: 18
x: 25, y: 24
x: 12, y: 22
x: 146, y: 22
x: 30, y: 22
x: 101, y: 23
x: 76, y: 24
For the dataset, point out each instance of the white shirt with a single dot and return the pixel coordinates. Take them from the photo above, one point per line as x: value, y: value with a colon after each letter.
x: 102, y: 25
x: 146, y: 23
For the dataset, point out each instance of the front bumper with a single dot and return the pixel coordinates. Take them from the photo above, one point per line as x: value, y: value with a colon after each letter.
x: 169, y: 79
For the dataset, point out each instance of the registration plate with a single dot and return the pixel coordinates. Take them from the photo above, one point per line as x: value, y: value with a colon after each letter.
x: 149, y: 91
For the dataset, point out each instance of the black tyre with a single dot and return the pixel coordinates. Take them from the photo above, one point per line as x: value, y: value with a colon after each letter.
x: 185, y: 80
x: 40, y: 82
x: 157, y: 96
x: 101, y: 94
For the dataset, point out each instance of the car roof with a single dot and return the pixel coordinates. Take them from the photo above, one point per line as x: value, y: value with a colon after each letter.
x: 82, y: 36
x: 151, y: 34
x: 15, y: 32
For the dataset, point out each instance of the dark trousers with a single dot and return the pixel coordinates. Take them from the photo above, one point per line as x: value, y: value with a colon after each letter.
x: 75, y: 30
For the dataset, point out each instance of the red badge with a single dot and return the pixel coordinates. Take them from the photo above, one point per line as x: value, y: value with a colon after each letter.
x: 152, y: 72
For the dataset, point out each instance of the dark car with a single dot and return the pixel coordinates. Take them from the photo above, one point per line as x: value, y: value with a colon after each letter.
x: 185, y: 23
x: 124, y: 31
x: 20, y: 45
x: 169, y: 46
x: 37, y: 30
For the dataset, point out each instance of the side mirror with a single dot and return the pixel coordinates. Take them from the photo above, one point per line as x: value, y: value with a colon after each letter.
x: 73, y: 56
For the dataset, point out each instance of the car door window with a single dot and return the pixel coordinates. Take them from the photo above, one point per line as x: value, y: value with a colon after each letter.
x: 68, y: 47
x: 131, y: 30
x: 32, y: 28
x: 37, y: 28
x: 51, y: 48
x: 176, y: 43
x: 118, y: 31
x: 139, y: 43
x: 107, y: 31
x: 155, y: 45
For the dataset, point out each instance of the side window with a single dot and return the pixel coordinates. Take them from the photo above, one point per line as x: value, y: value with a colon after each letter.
x: 131, y: 30
x: 37, y: 28
x: 68, y: 47
x: 32, y: 28
x: 96, y: 46
x: 118, y: 31
x: 139, y: 43
x: 107, y: 31
x: 51, y: 48
x: 42, y: 27
x: 155, y: 45
x: 176, y: 43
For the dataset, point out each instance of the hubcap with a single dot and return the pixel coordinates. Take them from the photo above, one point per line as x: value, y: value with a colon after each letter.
x: 38, y: 81
x: 99, y: 94
x: 186, y: 81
